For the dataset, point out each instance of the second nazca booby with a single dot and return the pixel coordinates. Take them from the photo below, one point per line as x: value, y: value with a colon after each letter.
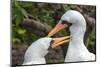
x: 77, y: 51
x: 36, y: 52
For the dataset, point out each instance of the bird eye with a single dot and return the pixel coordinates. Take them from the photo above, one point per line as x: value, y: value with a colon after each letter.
x: 64, y: 22
x: 52, y: 41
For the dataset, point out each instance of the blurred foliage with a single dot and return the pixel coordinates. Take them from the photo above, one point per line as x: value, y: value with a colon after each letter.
x: 92, y: 40
x: 21, y: 10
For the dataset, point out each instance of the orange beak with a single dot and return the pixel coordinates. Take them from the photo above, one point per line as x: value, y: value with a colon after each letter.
x: 57, y: 28
x: 60, y: 41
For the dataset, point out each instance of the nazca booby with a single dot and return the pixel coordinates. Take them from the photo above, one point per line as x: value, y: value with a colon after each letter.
x: 77, y: 51
x: 38, y: 49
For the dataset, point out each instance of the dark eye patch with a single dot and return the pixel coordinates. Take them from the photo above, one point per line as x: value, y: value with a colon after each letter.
x: 52, y: 41
x: 66, y: 22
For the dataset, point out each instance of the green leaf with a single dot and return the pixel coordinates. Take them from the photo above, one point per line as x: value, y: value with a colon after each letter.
x: 21, y: 31
x: 16, y: 40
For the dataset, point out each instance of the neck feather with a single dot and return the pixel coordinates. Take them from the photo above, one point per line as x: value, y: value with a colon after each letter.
x: 77, y: 34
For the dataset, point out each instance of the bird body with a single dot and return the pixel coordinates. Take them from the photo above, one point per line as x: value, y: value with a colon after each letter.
x: 36, y: 52
x: 77, y: 51
x: 35, y: 61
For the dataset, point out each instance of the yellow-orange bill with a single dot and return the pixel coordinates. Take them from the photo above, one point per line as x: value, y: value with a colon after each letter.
x: 60, y: 41
x: 57, y: 28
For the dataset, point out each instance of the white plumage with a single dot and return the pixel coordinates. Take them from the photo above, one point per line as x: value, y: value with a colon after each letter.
x: 77, y: 51
x: 36, y: 52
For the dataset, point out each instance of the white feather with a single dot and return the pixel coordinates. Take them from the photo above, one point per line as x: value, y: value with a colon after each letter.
x: 36, y: 52
x: 77, y: 51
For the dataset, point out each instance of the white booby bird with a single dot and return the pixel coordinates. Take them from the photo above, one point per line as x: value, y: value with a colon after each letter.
x: 77, y: 51
x: 36, y: 52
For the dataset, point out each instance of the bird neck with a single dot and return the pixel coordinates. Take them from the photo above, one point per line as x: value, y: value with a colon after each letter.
x: 77, y: 40
x: 77, y: 34
x: 40, y: 53
x: 40, y: 50
x: 77, y: 43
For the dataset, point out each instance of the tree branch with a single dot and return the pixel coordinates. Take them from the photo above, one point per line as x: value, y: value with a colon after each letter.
x: 36, y: 27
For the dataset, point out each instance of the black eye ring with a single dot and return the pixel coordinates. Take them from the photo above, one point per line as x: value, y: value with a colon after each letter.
x: 52, y: 41
x: 66, y: 22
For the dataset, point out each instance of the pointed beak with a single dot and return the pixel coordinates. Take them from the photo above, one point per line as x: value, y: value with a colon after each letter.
x: 57, y: 28
x: 60, y: 41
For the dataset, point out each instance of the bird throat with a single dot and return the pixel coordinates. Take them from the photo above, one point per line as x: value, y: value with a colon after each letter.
x: 77, y: 34
x: 39, y: 53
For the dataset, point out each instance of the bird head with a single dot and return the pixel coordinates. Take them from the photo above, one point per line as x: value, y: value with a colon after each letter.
x: 72, y: 19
